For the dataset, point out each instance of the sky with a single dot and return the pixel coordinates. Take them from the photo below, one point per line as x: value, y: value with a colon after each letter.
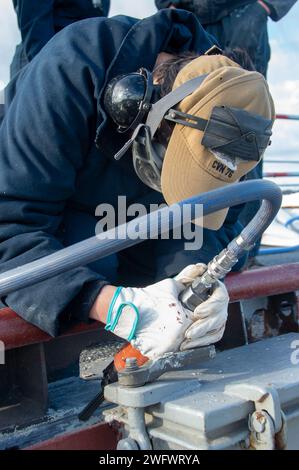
x: 283, y: 74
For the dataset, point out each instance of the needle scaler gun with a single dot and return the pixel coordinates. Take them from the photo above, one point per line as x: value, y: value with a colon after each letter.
x: 130, y: 363
x: 104, y: 245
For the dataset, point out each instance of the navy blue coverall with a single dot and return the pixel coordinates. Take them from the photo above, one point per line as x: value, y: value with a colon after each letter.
x: 38, y: 21
x: 52, y: 175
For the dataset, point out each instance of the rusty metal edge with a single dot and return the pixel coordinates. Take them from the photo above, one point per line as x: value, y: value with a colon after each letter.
x: 16, y: 332
x: 98, y: 437
x: 263, y: 282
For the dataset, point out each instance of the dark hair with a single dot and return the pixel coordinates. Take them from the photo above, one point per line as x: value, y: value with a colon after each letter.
x: 240, y: 56
x: 166, y: 73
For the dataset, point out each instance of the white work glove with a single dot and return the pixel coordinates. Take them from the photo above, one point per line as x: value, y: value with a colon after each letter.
x: 209, y: 318
x: 155, y: 322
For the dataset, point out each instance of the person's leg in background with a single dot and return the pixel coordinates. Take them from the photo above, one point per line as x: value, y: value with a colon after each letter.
x: 1, y: 105
x: 19, y: 61
x: 260, y: 60
x: 232, y: 31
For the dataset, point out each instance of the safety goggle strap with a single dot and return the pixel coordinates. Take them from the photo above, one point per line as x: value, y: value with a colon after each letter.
x: 160, y: 108
x: 129, y: 143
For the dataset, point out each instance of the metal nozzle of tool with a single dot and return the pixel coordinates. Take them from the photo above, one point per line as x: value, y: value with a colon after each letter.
x: 201, y: 288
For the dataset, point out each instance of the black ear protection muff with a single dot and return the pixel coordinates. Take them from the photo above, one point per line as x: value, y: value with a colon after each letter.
x: 127, y: 99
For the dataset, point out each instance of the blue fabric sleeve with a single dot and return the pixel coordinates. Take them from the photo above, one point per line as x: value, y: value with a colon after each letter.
x: 44, y: 141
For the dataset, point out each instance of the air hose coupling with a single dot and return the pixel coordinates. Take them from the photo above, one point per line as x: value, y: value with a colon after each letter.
x: 217, y: 269
x: 201, y: 287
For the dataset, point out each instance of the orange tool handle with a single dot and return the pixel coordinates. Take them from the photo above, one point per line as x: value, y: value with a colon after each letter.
x: 126, y: 352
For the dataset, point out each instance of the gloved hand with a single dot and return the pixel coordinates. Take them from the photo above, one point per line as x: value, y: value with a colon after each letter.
x: 209, y: 318
x: 155, y: 322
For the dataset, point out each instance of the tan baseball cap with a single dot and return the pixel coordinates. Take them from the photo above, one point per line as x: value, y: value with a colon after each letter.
x: 188, y: 167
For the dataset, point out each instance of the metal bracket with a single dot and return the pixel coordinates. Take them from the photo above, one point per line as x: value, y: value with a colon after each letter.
x: 263, y: 435
x: 152, y: 370
x: 267, y: 424
x: 134, y: 380
x: 133, y: 419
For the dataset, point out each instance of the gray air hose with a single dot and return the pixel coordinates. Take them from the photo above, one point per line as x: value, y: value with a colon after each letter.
x: 118, y: 239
